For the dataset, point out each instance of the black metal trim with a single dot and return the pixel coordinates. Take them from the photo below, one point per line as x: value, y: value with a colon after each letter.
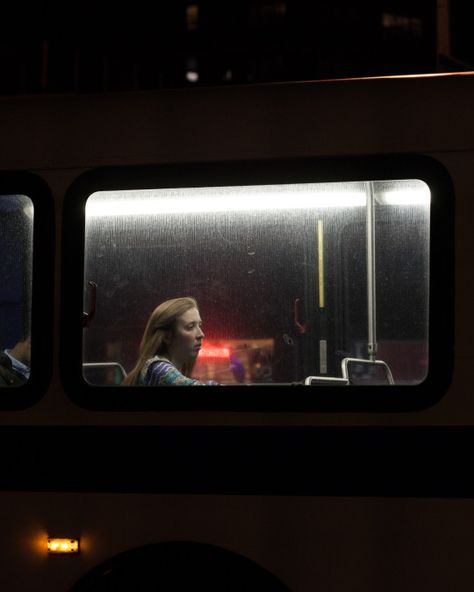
x: 265, y: 398
x: 25, y: 183
x: 328, y: 461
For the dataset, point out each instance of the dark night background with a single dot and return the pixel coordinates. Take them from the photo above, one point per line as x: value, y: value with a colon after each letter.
x: 199, y: 43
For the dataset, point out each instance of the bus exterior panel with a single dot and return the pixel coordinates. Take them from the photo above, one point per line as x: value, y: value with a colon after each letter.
x: 336, y: 497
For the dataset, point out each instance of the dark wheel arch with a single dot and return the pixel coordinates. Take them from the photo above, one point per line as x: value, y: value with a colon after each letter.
x: 177, y: 566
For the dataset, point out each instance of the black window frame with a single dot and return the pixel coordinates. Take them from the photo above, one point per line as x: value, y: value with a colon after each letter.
x: 260, y: 398
x: 42, y: 303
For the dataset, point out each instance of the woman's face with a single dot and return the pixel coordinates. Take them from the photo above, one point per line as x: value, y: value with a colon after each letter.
x: 187, y: 338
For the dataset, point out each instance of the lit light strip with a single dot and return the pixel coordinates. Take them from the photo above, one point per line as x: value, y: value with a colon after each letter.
x: 299, y: 196
x: 63, y: 545
x: 221, y: 199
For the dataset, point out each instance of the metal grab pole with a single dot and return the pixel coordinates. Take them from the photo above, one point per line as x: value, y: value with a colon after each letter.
x: 371, y: 285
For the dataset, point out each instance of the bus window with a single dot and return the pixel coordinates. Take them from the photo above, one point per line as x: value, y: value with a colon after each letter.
x: 292, y: 280
x: 16, y: 247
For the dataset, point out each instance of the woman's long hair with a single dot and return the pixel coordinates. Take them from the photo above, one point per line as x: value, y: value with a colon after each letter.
x: 161, y: 323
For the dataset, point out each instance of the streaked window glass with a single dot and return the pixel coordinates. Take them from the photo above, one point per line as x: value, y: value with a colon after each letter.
x: 282, y: 275
x: 16, y: 248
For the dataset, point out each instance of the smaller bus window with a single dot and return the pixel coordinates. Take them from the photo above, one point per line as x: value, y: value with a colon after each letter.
x: 16, y: 247
x: 306, y: 283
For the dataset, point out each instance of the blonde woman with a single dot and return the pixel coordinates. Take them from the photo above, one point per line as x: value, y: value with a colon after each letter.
x: 170, y: 346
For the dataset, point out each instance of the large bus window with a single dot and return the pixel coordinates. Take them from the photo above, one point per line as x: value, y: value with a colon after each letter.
x: 16, y: 247
x: 307, y: 283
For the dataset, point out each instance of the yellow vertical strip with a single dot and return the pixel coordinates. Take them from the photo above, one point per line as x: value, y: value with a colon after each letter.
x: 321, y: 263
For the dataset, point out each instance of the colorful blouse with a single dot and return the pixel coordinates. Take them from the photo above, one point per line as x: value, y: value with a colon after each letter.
x: 161, y: 372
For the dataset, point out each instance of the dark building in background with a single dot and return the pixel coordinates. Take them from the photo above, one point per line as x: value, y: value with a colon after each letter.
x: 462, y: 42
x: 199, y: 42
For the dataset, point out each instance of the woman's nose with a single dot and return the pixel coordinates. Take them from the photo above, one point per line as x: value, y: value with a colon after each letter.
x: 200, y: 333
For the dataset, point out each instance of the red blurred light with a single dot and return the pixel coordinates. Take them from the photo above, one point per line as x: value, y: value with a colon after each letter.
x: 215, y: 352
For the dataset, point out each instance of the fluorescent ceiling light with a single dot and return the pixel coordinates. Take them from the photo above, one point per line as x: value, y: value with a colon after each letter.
x: 403, y: 197
x: 298, y: 196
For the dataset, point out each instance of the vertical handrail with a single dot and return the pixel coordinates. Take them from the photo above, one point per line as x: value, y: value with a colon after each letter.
x: 371, y: 280
x: 322, y: 303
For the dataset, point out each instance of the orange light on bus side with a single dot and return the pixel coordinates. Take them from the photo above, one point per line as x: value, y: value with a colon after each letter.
x: 63, y: 545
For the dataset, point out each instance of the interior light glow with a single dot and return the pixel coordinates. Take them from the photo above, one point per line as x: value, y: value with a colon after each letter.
x: 297, y: 196
x: 421, y: 197
x: 63, y: 545
x: 192, y: 76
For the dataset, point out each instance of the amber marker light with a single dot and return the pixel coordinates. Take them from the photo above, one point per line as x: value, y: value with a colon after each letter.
x: 63, y: 545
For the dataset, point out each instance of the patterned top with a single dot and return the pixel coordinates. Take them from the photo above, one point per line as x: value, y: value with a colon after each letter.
x: 159, y: 371
x: 18, y: 366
